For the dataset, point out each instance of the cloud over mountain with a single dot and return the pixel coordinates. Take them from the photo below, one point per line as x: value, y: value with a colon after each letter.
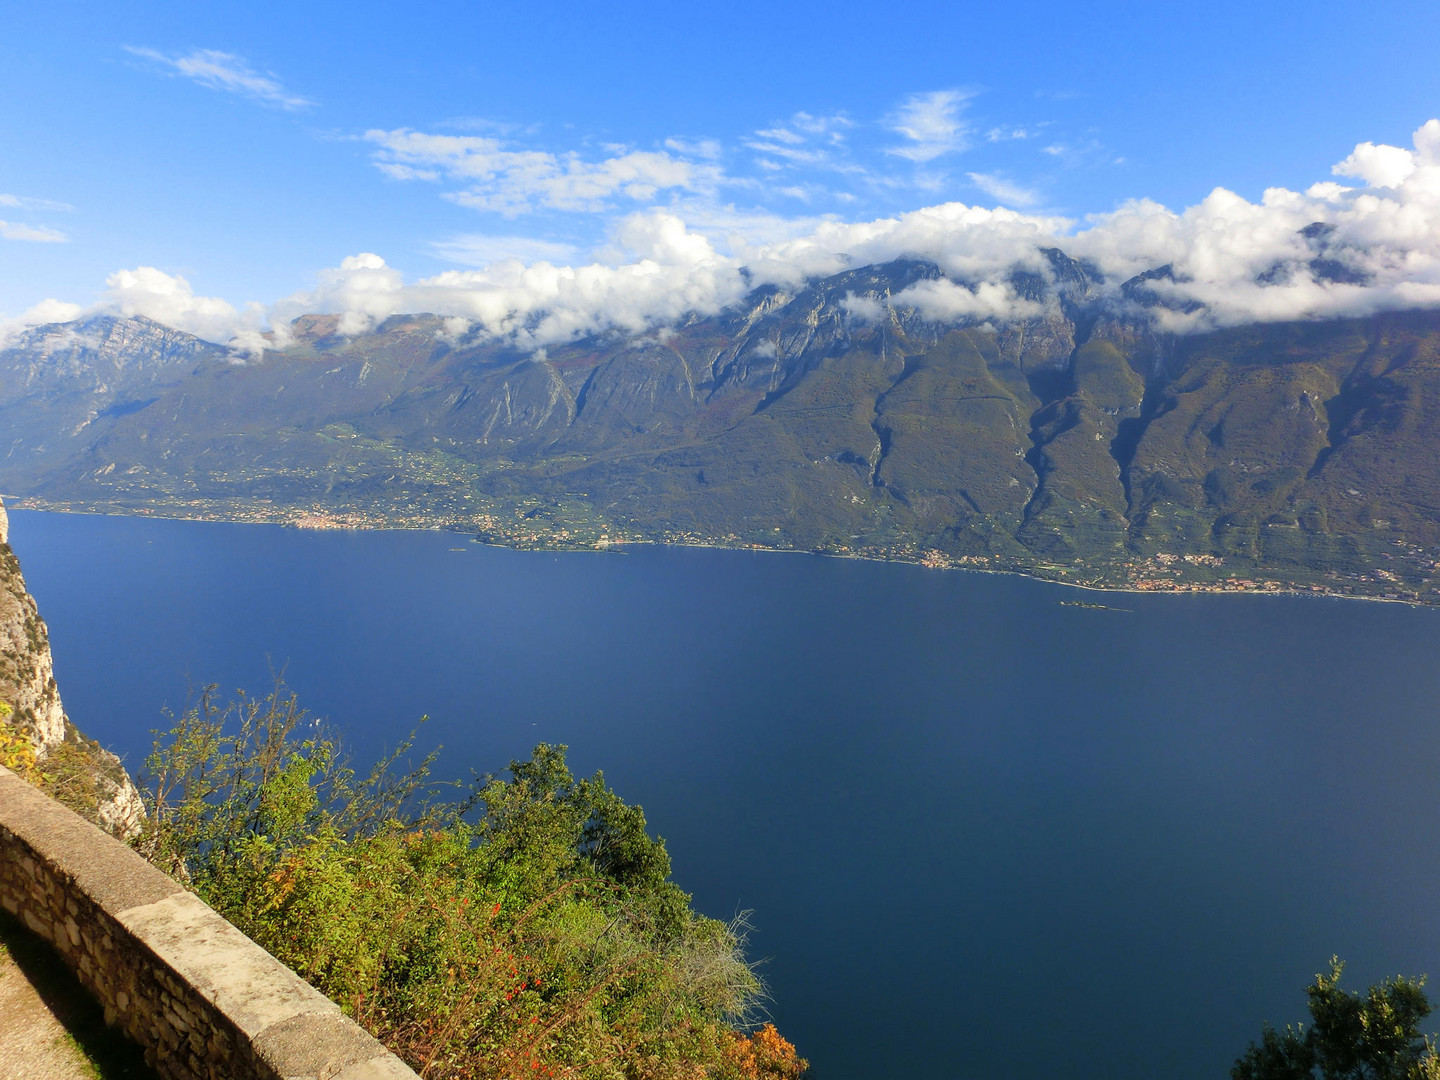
x: 1331, y: 250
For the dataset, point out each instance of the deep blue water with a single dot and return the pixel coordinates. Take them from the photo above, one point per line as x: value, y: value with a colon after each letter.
x: 983, y: 835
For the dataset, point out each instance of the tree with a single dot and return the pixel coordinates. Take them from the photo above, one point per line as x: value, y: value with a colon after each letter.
x: 528, y: 929
x: 1375, y: 1036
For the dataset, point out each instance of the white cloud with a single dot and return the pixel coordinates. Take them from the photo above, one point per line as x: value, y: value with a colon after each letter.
x: 515, y: 181
x: 933, y: 123
x: 968, y: 242
x: 47, y: 311
x: 1377, y: 247
x: 671, y: 271
x: 784, y: 135
x: 803, y: 129
x: 730, y: 228
x: 701, y: 148
x: 869, y: 310
x: 997, y: 187
x: 791, y: 154
x: 805, y: 142
x: 943, y: 301
x: 828, y: 161
x: 1240, y: 260
x: 39, y: 234
x: 476, y: 249
x: 225, y: 71
x: 832, y: 127
x: 169, y: 299
x: 20, y: 202
x: 658, y: 269
x: 1250, y: 262
x: 1378, y: 166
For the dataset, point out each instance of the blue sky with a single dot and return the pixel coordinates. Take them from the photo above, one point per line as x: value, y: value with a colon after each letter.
x: 248, y: 148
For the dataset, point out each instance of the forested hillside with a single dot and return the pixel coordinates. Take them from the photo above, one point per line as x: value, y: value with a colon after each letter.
x: 1079, y: 442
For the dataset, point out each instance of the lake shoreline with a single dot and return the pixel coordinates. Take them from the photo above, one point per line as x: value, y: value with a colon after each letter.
x: 933, y: 560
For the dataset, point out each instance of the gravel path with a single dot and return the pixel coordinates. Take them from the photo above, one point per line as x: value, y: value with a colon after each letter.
x: 49, y: 1027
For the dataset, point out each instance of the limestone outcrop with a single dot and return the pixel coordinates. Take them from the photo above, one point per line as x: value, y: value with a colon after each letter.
x: 82, y: 773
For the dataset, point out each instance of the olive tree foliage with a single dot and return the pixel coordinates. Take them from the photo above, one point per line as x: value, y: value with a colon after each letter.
x: 1351, y: 1036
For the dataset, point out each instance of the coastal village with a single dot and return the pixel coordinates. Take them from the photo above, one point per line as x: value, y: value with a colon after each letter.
x: 537, y: 527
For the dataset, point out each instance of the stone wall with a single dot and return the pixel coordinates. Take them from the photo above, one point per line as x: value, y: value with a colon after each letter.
x: 203, y: 1000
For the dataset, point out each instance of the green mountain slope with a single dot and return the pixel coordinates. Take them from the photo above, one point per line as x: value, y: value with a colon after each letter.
x: 1079, y: 444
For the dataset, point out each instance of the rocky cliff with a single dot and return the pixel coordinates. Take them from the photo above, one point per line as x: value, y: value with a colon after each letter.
x: 42, y: 740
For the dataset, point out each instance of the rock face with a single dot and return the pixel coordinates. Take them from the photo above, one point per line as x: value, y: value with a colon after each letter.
x: 94, y: 781
x: 27, y: 678
x: 65, y: 383
x: 99, y: 355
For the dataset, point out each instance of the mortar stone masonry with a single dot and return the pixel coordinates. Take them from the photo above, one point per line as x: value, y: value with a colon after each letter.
x: 203, y: 1000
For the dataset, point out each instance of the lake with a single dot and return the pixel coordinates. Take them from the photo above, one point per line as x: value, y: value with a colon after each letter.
x: 983, y: 834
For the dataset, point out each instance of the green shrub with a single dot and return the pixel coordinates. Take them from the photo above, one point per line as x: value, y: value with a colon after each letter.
x: 1376, y: 1036
x: 17, y: 750
x: 528, y: 928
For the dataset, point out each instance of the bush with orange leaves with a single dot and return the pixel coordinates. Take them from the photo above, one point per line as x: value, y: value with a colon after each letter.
x: 766, y: 1055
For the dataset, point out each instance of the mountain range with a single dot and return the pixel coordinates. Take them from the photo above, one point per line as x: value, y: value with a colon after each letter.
x: 1081, y: 443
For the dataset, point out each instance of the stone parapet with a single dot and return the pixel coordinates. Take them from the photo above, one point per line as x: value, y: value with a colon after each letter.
x: 203, y: 1000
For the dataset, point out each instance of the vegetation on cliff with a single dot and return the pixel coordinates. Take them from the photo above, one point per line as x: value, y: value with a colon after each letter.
x: 78, y: 772
x: 528, y: 928
x: 1374, y: 1036
x: 37, y: 739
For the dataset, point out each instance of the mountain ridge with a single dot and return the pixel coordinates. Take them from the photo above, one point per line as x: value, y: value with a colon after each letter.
x: 1080, y: 441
